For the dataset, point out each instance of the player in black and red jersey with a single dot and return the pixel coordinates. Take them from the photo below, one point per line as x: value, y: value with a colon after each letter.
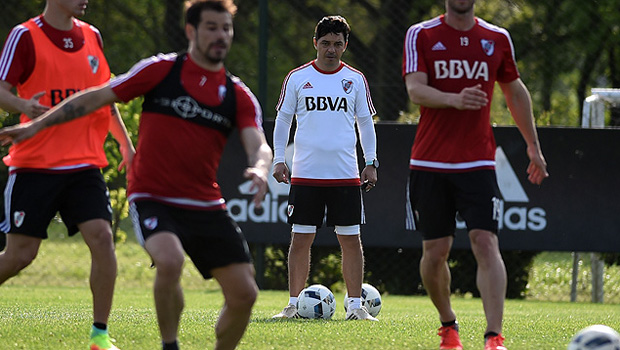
x: 450, y: 66
x: 191, y: 104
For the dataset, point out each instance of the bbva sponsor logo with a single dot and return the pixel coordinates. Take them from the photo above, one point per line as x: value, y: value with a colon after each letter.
x: 458, y: 69
x: 324, y: 103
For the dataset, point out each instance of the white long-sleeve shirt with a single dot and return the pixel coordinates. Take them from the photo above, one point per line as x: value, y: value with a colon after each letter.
x: 327, y: 106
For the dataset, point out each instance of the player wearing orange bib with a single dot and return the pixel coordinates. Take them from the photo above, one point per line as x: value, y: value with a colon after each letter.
x: 191, y: 104
x: 47, y: 59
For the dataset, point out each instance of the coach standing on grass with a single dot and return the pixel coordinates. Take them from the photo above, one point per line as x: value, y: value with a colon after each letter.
x: 46, y: 59
x: 191, y: 104
x: 328, y: 99
x: 451, y: 64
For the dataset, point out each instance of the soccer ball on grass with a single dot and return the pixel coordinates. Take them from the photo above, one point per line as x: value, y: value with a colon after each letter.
x: 597, y: 337
x: 316, y: 301
x: 371, y: 298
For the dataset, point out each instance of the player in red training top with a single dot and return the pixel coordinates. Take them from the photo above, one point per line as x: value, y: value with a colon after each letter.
x: 191, y: 104
x: 58, y: 170
x: 450, y: 66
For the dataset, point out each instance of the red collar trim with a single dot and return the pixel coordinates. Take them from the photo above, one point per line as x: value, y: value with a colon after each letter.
x: 326, y: 72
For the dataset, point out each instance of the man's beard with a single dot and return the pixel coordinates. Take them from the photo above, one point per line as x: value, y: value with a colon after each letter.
x: 213, y: 58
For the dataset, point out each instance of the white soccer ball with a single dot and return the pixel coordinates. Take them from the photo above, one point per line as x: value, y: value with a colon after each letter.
x: 316, y: 301
x: 371, y: 298
x: 597, y: 337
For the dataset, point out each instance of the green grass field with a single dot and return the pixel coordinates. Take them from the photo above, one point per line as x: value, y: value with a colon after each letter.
x: 48, y: 306
x: 59, y: 318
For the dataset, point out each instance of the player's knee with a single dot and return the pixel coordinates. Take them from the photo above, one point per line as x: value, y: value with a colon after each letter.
x: 170, y: 267
x: 242, y: 300
x: 484, y: 243
x: 301, y: 243
x: 18, y: 262
x: 99, y: 237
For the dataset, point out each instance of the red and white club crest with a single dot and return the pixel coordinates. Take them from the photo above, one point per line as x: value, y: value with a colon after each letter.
x: 488, y: 46
x: 150, y: 223
x: 347, y: 85
x: 18, y: 218
x: 289, y: 210
x: 94, y: 63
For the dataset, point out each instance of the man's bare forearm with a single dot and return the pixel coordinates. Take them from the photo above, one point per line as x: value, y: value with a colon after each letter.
x: 65, y: 113
x: 78, y: 105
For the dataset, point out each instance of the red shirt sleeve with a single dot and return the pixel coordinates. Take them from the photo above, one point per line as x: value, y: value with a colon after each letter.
x: 17, y: 59
x: 508, y: 70
x: 249, y: 112
x: 142, y: 77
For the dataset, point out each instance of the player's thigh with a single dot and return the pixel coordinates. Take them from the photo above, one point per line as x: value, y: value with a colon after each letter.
x: 31, y: 200
x: 156, y: 229
x: 477, y: 199
x: 237, y: 282
x: 85, y: 198
x: 432, y: 201
x: 97, y: 234
x: 306, y: 205
x: 344, y: 206
x: 212, y: 239
x: 21, y: 248
x: 350, y: 243
x: 166, y: 250
x: 149, y: 218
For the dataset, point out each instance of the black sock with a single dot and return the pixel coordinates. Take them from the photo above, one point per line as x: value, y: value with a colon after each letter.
x: 489, y: 334
x: 101, y: 326
x: 449, y: 323
x: 170, y: 346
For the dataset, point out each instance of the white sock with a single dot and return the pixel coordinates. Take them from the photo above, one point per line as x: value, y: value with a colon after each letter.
x: 355, y: 303
x: 292, y: 301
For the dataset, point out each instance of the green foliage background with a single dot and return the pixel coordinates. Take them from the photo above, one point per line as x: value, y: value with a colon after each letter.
x: 563, y: 48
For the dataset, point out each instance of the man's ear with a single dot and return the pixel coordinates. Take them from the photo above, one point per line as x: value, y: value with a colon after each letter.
x: 190, y: 32
x: 314, y: 42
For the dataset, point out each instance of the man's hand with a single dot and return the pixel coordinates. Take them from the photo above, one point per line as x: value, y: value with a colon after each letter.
x: 128, y: 153
x: 281, y: 173
x: 259, y: 184
x: 369, y: 176
x: 471, y: 98
x: 32, y: 108
x: 17, y: 133
x: 537, y: 169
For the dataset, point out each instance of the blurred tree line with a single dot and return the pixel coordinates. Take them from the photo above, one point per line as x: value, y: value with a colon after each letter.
x: 563, y: 47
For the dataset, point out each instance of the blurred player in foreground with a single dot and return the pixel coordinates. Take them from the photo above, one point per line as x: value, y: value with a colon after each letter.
x: 450, y: 66
x: 191, y: 104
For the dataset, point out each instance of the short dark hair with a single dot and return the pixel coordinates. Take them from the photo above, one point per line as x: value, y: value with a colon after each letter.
x: 332, y: 24
x: 194, y: 9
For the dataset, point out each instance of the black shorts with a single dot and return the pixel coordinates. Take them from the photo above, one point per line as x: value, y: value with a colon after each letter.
x: 313, y: 205
x: 435, y: 199
x: 32, y: 199
x: 211, y: 238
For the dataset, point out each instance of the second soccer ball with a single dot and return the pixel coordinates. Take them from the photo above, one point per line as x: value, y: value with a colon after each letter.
x: 316, y: 301
x: 371, y: 299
